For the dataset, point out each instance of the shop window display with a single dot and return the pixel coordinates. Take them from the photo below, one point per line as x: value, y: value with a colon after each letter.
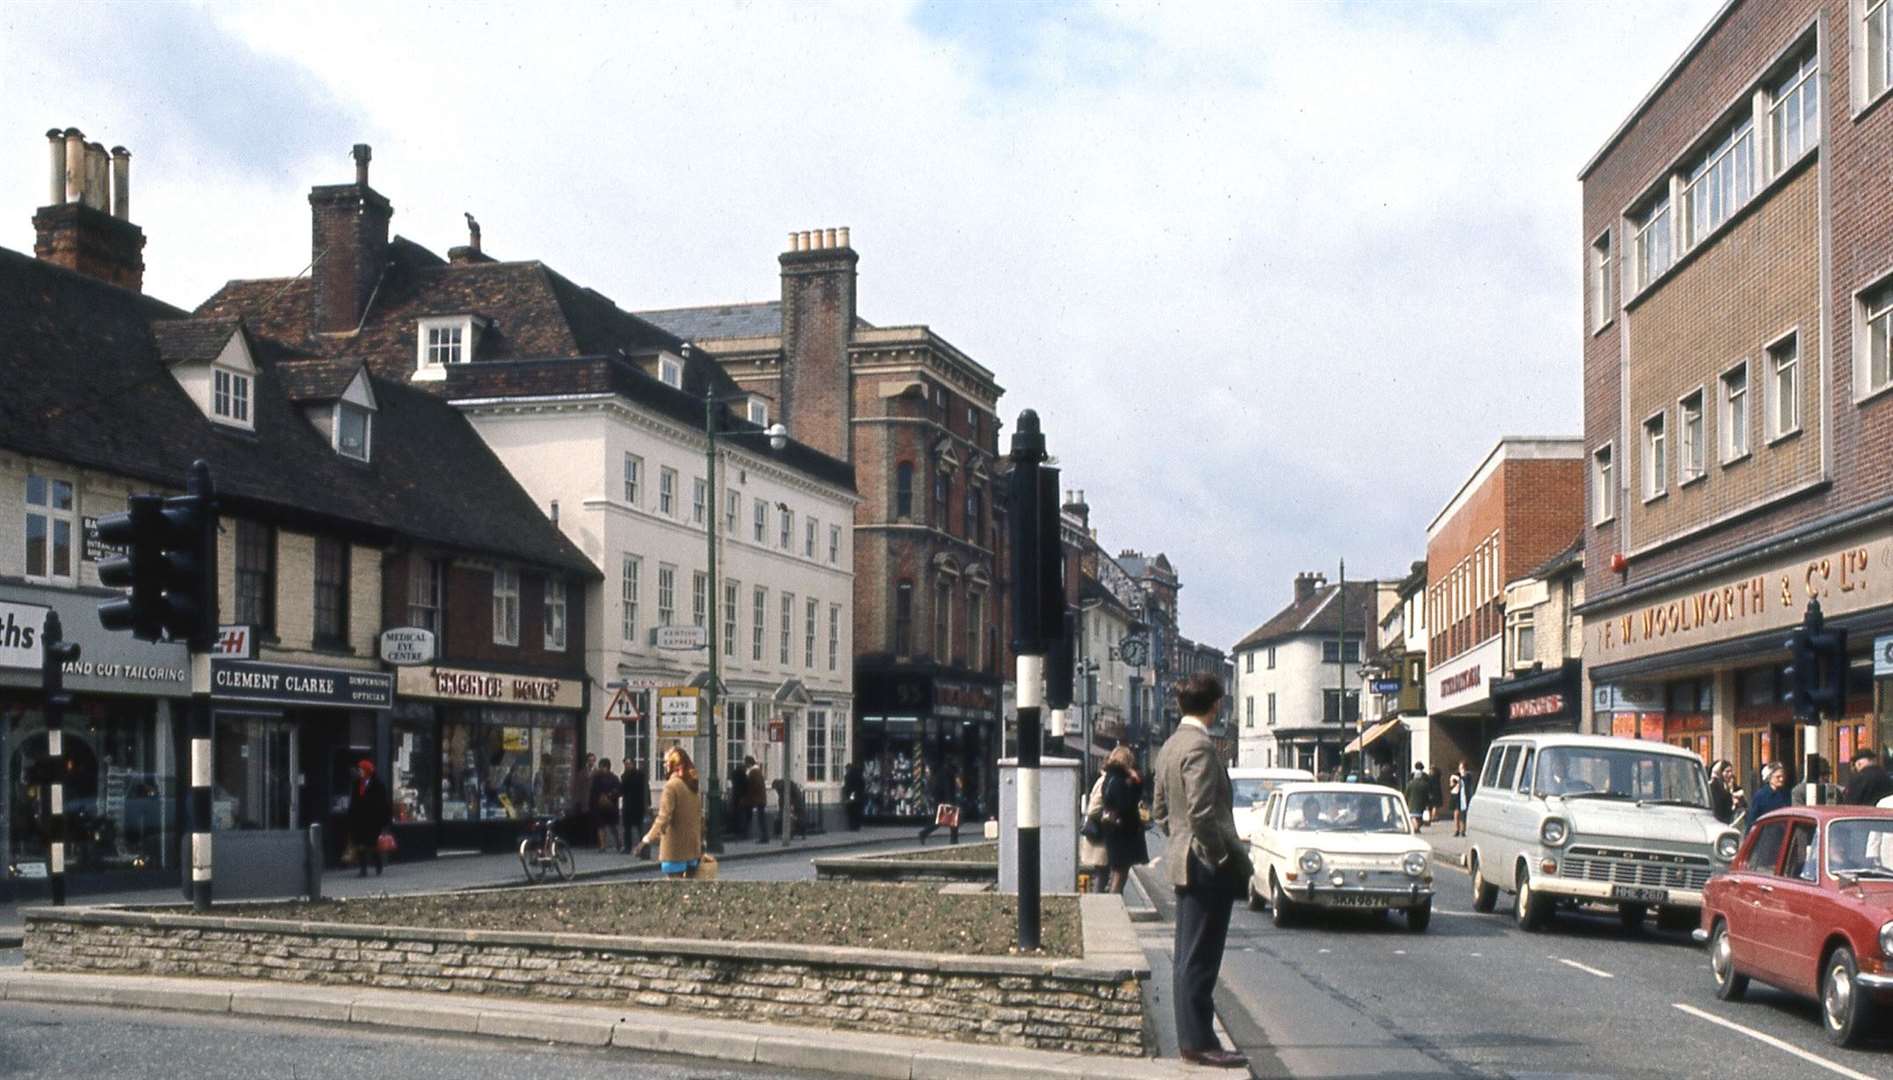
x: 506, y: 764
x: 893, y: 767
x: 120, y: 789
x: 415, y: 770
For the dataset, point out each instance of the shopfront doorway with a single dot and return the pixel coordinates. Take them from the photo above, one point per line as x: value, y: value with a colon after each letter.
x: 254, y: 779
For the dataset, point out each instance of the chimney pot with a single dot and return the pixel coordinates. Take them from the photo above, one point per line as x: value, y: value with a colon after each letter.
x: 121, y: 183
x: 828, y: 238
x: 75, y: 165
x: 97, y: 177
x: 361, y: 154
x: 801, y: 241
x: 473, y: 234
x: 791, y: 246
x: 844, y: 236
x: 56, y: 151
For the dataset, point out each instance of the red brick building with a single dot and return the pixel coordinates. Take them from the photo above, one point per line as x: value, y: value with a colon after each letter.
x: 918, y: 419
x: 1738, y: 237
x: 1522, y: 505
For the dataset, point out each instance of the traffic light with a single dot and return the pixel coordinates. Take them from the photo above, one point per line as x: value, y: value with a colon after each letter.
x: 1817, y: 667
x: 58, y: 654
x: 169, y: 568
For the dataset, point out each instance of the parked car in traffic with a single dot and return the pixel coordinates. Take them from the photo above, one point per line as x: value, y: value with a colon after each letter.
x: 1591, y: 819
x: 1808, y: 908
x: 1348, y: 846
x: 1251, y: 788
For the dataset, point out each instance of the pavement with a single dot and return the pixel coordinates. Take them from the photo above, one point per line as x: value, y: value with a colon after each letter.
x: 451, y: 872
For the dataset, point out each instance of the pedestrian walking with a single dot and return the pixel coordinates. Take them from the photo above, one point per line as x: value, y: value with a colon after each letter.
x: 605, y: 792
x: 1093, y: 858
x: 678, y: 829
x: 755, y: 800
x: 634, y: 797
x: 1417, y: 791
x: 946, y: 792
x: 1435, y: 795
x: 1206, y: 862
x: 1123, y: 797
x: 369, y: 812
x: 1387, y: 778
x: 1721, y: 799
x: 1818, y: 773
x: 854, y: 795
x: 1870, y: 782
x: 1461, y: 797
x: 1774, y: 794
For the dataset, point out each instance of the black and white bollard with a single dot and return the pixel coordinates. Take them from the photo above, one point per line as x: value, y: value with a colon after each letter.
x: 200, y: 782
x: 1031, y: 700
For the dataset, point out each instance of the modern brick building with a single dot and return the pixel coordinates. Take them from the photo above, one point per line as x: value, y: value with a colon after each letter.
x: 1521, y: 506
x: 917, y: 419
x: 1738, y: 237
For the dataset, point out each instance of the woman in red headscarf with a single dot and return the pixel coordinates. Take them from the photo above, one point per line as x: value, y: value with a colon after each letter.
x: 369, y: 812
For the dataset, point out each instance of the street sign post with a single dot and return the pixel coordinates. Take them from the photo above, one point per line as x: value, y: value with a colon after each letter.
x: 678, y: 638
x: 679, y: 712
x: 623, y: 707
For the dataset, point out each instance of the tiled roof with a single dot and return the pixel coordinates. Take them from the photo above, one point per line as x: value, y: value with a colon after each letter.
x: 192, y: 341
x: 1320, y: 614
x: 82, y: 382
x: 316, y: 380
x: 709, y: 323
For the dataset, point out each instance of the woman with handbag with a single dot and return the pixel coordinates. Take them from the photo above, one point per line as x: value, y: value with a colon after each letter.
x: 678, y: 828
x: 1120, y: 795
x: 369, y: 812
x: 1093, y: 856
x: 605, y: 792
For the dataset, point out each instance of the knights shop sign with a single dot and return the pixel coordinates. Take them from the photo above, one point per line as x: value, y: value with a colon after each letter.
x: 490, y: 687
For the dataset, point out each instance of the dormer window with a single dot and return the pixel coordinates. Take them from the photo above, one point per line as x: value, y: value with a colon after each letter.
x: 670, y: 371
x: 448, y: 339
x: 230, y: 397
x: 758, y: 412
x: 351, y: 430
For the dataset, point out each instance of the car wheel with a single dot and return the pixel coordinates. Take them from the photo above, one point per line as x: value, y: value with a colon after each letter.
x: 1281, y: 908
x: 1730, y: 984
x: 1485, y: 895
x: 1256, y: 900
x: 1632, y: 916
x: 1846, y: 1010
x: 1529, y: 909
x: 1419, y: 916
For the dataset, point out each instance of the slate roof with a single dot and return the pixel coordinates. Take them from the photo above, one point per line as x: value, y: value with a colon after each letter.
x: 763, y: 319
x: 186, y: 341
x: 1320, y: 614
x: 317, y: 380
x: 83, y: 381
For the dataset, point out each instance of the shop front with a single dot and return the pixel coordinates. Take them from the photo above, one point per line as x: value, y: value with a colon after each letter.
x: 1461, y: 710
x: 124, y: 736
x: 914, y: 724
x: 1540, y: 701
x: 476, y: 754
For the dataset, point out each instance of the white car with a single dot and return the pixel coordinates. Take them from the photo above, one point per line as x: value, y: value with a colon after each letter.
x: 1346, y: 846
x: 1252, y: 789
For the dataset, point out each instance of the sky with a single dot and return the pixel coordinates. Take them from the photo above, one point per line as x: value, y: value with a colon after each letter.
x: 1275, y: 276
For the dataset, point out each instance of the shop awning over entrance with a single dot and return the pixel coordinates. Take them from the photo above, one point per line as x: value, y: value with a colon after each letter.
x: 1367, y: 738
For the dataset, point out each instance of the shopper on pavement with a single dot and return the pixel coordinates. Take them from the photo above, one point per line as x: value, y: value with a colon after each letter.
x: 755, y: 800
x: 1417, y: 791
x: 854, y: 795
x: 1721, y: 799
x: 1123, y: 793
x: 1870, y: 783
x: 946, y: 792
x: 1435, y: 795
x: 678, y: 830
x: 369, y: 812
x: 634, y: 793
x: 1774, y: 793
x: 604, y: 800
x: 1093, y: 858
x: 1206, y: 862
x: 1461, y: 796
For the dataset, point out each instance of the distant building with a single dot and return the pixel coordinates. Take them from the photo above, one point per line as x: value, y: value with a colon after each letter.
x: 1297, y: 709
x: 1542, y: 688
x: 1393, y: 682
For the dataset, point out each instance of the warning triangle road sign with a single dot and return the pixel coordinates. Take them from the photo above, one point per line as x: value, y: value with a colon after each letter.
x: 622, y: 707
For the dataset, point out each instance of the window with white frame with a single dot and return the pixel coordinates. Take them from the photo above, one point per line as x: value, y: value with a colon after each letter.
x: 1794, y: 121
x: 732, y: 506
x: 51, y: 524
x: 1876, y: 336
x: 230, y: 396
x: 666, y: 594
x: 700, y: 599
x: 1248, y: 712
x: 1784, y: 387
x: 1603, y: 302
x: 837, y: 741
x: 1603, y: 486
x: 813, y: 612
x: 736, y: 730
x: 1655, y: 456
x: 1524, y: 640
x: 815, y: 746
x: 788, y: 527
x: 1653, y: 249
x: 352, y: 423
x: 1271, y: 716
x: 834, y: 637
x: 628, y: 592
x: 732, y: 592
x: 759, y: 623
x: 758, y: 412
x: 1734, y: 391
x: 1271, y: 663
x: 555, y: 615
x: 1690, y: 429
x: 424, y: 581
x: 505, y: 605
x: 1248, y: 662
x: 761, y: 519
x: 1719, y: 183
x: 331, y: 595
x: 667, y: 491
x: 634, y: 480
x: 670, y: 371
x: 442, y: 343
x: 810, y: 530
x: 1879, y: 41
x: 834, y: 545
x: 699, y: 500
x: 788, y: 628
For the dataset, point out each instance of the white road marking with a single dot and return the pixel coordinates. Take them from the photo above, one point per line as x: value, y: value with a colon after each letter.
x: 1586, y: 968
x: 1475, y: 956
x: 1812, y: 1059
x: 1399, y: 952
x: 1324, y: 952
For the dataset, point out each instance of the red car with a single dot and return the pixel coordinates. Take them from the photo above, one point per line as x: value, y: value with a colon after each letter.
x: 1808, y: 906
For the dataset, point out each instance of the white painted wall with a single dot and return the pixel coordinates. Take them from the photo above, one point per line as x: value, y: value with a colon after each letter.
x: 1297, y: 681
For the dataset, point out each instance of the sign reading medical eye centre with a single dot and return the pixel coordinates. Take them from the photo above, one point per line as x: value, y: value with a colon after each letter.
x: 291, y: 684
x: 405, y: 645
x: 489, y: 687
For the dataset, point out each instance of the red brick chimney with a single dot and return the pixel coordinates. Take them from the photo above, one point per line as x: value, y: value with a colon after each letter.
x: 349, y: 248
x: 1306, y: 584
x: 82, y: 227
x: 818, y: 306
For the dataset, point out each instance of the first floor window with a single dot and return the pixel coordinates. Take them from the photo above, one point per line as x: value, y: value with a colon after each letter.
x: 633, y: 479
x: 904, y: 619
x: 505, y: 605
x: 808, y: 633
x: 732, y: 504
x: 50, y: 521
x: 628, y: 589
x: 331, y: 592
x: 810, y: 529
x: 555, y: 615
x: 1794, y: 121
x: 731, y: 591
x: 1271, y: 710
x: 1331, y: 707
x: 788, y: 628
x: 1603, y: 492
x: 666, y: 491
x: 788, y: 527
x: 1784, y: 387
x: 1653, y: 242
x: 424, y: 590
x: 1248, y: 712
x: 1735, y: 412
x: 834, y: 637
x: 1525, y: 640
x: 1689, y: 419
x: 256, y: 581
x: 759, y: 624
x: 1603, y: 303
x: 700, y: 600
x: 666, y: 594
x: 815, y: 746
x: 1878, y: 307
x: 1879, y: 48
x: 761, y: 520
x: 699, y: 500
x: 1655, y: 457
x: 834, y: 545
x: 973, y: 622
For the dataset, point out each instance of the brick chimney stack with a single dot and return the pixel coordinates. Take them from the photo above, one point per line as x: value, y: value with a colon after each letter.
x: 1307, y: 583
x: 349, y: 248
x: 818, y: 314
x: 83, y: 227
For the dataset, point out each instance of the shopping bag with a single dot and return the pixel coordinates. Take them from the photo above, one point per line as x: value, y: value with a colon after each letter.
x: 385, y: 843
x: 706, y: 868
x: 947, y: 815
x: 349, y: 855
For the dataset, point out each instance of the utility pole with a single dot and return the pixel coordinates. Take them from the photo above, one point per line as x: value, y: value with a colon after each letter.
x: 58, y: 651
x: 713, y: 823
x: 1340, y: 654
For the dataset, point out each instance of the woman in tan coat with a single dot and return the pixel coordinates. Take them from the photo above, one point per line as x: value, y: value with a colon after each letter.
x: 678, y: 828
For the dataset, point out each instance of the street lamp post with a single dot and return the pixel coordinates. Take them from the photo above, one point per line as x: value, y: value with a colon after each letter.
x: 778, y: 438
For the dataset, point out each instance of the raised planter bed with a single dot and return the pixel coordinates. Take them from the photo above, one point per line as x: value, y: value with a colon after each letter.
x: 954, y: 863
x: 1087, y: 1003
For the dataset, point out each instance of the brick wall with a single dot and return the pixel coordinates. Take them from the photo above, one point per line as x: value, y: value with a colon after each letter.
x: 818, y: 311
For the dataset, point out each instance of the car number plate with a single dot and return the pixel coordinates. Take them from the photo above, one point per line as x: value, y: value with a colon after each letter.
x: 1631, y: 892
x: 1355, y: 900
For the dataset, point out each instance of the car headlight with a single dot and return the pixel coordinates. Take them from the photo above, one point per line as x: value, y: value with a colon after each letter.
x: 1554, y: 832
x: 1886, y: 939
x: 1414, y: 864
x: 1310, y: 863
x: 1727, y: 845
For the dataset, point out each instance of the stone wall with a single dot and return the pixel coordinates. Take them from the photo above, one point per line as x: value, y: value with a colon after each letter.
x: 1090, y: 1006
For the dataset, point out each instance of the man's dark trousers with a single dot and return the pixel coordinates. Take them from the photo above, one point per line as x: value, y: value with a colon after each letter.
x: 1202, y: 930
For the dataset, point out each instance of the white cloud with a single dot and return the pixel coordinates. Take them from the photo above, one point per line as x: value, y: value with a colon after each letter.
x: 1274, y: 275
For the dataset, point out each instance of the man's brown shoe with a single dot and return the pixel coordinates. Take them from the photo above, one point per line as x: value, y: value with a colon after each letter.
x: 1216, y: 1059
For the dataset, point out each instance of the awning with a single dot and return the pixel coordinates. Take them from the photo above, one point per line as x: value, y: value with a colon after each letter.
x: 1366, y: 738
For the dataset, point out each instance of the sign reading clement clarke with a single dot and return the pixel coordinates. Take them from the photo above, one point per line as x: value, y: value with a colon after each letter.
x: 1845, y: 578
x: 288, y: 684
x: 454, y: 684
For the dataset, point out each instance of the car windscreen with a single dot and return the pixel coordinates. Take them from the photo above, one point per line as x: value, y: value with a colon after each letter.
x: 1594, y: 772
x: 1344, y: 811
x: 1253, y: 790
x: 1861, y: 846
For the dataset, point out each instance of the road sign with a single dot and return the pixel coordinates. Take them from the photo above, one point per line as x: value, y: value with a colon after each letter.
x: 623, y: 708
x: 1386, y: 686
x: 1134, y: 650
x: 640, y: 682
x: 678, y: 638
x: 679, y: 712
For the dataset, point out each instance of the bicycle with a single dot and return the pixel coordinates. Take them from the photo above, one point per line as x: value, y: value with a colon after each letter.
x: 542, y: 853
